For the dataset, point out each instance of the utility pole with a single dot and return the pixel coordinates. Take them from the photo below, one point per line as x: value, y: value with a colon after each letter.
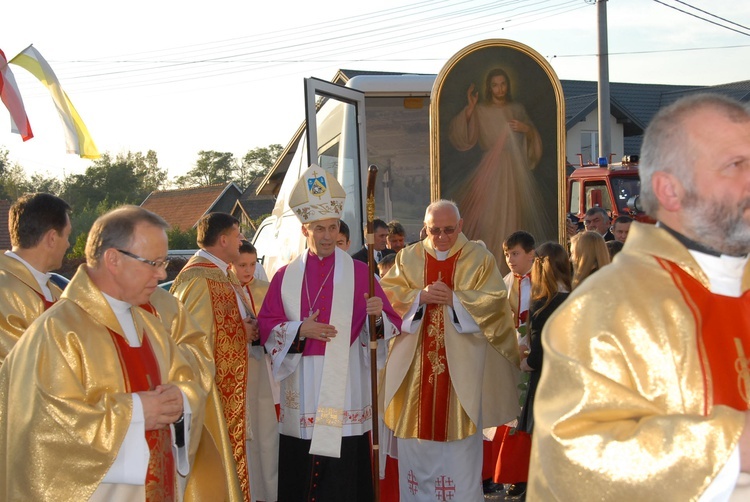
x: 605, y: 135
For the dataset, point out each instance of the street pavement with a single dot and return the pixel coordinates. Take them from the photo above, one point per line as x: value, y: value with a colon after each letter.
x: 498, y: 497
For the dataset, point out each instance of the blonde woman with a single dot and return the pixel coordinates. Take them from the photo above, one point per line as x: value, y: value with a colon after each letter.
x: 589, y: 253
x: 550, y: 286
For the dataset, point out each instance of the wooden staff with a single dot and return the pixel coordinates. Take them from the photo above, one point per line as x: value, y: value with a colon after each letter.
x: 372, y: 173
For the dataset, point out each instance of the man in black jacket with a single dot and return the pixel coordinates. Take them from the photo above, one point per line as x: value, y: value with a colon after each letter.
x: 380, y: 229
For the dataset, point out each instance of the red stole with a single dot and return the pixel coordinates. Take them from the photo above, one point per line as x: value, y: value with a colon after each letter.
x: 46, y: 302
x: 520, y: 317
x: 723, y: 324
x: 140, y: 370
x: 435, y: 387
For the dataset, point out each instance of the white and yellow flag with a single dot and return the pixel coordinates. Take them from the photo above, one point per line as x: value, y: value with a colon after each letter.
x: 77, y: 137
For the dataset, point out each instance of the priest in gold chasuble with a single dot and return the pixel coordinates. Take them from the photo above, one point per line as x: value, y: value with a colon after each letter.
x: 39, y: 227
x: 454, y: 368
x: 97, y: 402
x: 208, y: 480
x: 212, y: 294
x: 644, y: 392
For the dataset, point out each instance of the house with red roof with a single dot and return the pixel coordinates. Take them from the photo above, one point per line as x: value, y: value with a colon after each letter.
x: 182, y: 208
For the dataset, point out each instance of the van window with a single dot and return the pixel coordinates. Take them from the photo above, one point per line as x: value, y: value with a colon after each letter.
x: 337, y: 152
x: 398, y: 143
x: 264, y: 238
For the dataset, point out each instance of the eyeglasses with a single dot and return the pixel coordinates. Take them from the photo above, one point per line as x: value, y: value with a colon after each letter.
x: 445, y: 230
x: 158, y: 264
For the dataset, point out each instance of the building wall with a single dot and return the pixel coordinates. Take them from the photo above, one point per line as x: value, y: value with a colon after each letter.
x: 591, y: 124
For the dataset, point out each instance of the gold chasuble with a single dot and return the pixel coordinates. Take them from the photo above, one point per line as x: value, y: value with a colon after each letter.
x: 65, y: 396
x: 21, y: 301
x: 210, y: 296
x: 648, y: 401
x: 439, y: 381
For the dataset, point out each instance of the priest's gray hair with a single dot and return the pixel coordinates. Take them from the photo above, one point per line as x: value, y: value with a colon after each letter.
x: 115, y: 229
x: 667, y: 145
x: 440, y: 204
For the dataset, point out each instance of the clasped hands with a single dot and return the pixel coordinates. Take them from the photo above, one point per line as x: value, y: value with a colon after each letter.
x: 251, y: 328
x: 438, y: 292
x: 161, y: 406
x: 311, y: 328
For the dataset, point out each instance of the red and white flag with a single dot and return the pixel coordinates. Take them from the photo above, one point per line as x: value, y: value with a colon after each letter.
x: 11, y: 97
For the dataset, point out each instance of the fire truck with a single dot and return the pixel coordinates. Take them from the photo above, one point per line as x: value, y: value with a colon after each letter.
x: 613, y: 186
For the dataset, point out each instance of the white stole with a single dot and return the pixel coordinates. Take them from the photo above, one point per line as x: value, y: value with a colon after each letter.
x: 329, y: 417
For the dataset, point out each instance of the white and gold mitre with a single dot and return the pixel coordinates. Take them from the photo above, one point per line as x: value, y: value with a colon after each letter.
x: 317, y: 195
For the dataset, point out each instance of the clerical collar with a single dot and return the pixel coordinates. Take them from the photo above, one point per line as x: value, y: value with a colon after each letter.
x: 331, y: 256
x: 689, y: 243
x: 724, y: 272
x: 213, y: 259
x: 40, y: 277
x: 124, y: 315
x: 442, y: 255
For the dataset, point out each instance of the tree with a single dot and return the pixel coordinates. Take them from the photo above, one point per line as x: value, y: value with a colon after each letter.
x: 211, y: 168
x: 147, y: 170
x: 82, y: 219
x: 179, y: 239
x: 45, y: 183
x: 4, y: 161
x: 256, y: 163
x: 13, y: 180
x: 126, y: 179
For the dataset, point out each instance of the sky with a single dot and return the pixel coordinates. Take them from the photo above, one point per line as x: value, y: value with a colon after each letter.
x: 227, y: 75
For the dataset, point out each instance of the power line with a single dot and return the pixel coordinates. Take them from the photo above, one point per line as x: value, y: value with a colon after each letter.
x: 413, y: 24
x: 626, y: 53
x: 702, y: 18
x: 712, y: 15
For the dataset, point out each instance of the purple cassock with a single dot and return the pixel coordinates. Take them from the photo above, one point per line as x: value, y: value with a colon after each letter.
x: 319, y: 279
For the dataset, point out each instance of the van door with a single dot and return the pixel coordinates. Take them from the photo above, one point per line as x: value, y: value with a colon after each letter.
x: 336, y: 142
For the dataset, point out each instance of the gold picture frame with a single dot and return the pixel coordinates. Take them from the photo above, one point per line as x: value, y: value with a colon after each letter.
x: 503, y: 160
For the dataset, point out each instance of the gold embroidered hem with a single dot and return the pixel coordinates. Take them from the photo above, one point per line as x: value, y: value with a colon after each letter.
x: 210, y: 297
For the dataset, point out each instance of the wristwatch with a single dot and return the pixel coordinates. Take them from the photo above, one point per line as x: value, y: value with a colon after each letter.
x: 179, y: 431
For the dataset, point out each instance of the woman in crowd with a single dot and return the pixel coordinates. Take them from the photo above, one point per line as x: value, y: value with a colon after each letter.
x: 550, y: 286
x: 589, y: 253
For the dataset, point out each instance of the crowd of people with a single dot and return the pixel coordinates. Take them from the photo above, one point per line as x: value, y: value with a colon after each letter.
x: 610, y: 352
